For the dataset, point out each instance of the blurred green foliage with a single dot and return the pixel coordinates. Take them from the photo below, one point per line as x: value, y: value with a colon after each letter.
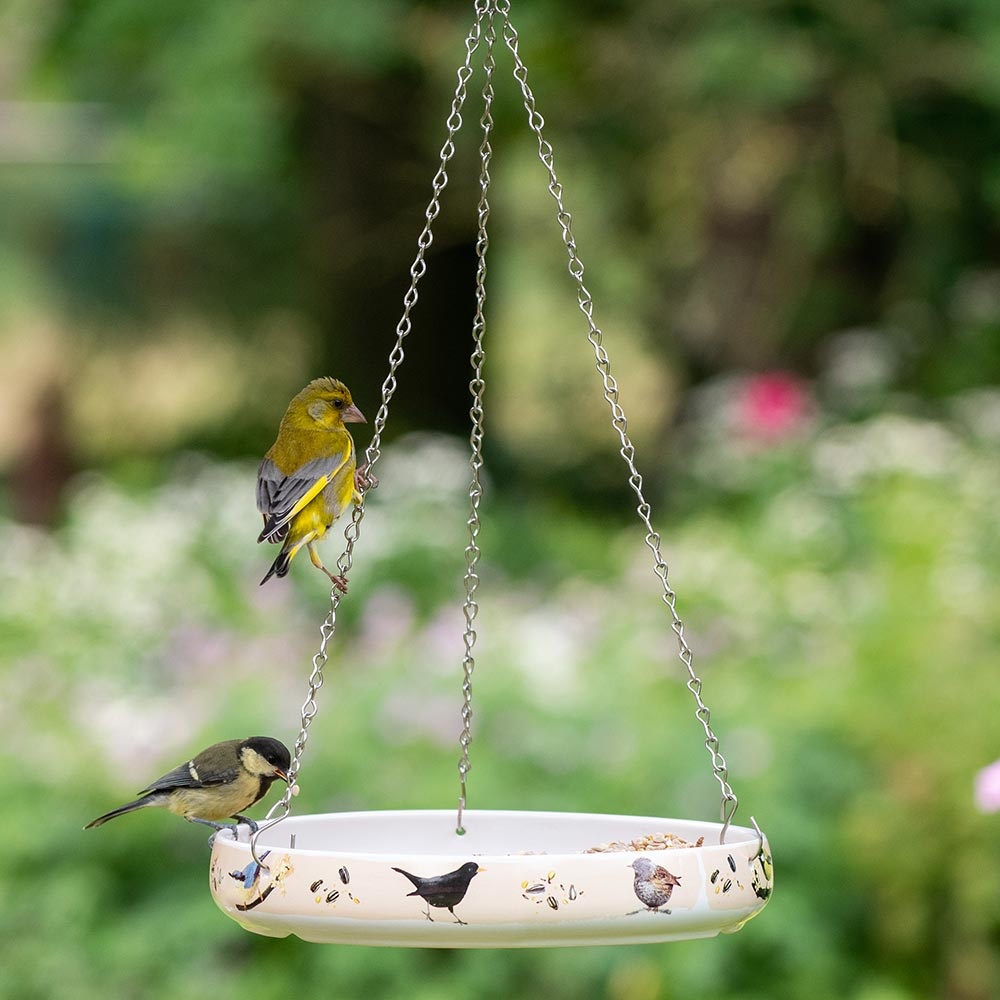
x: 206, y: 204
x: 746, y: 181
x: 840, y: 622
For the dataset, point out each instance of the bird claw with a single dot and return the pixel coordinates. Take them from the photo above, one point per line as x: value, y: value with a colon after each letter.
x: 219, y: 827
x: 365, y: 480
x: 233, y: 828
x: 340, y: 582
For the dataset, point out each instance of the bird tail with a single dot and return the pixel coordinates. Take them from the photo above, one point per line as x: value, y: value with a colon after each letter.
x: 280, y: 565
x: 120, y: 811
x: 412, y: 878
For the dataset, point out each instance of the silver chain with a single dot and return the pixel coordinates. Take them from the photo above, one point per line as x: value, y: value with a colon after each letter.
x: 374, y: 450
x: 476, y: 387
x: 487, y: 9
x: 627, y: 450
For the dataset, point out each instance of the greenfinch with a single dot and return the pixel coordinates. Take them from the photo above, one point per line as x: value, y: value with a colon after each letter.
x: 308, y: 476
x: 218, y: 784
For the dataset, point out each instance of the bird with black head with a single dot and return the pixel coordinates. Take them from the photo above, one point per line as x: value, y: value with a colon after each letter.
x: 217, y: 784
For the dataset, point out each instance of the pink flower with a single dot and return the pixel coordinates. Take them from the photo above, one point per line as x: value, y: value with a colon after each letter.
x: 988, y: 788
x: 773, y: 405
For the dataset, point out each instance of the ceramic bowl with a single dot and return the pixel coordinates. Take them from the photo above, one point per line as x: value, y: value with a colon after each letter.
x: 512, y: 880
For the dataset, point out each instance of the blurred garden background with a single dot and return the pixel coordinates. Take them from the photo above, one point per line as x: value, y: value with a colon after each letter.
x: 788, y: 210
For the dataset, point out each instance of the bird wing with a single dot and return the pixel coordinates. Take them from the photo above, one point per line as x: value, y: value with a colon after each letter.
x: 187, y: 776
x: 281, y: 497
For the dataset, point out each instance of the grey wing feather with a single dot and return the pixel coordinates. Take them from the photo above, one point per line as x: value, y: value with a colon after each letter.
x: 269, y: 479
x: 277, y: 494
x: 181, y: 777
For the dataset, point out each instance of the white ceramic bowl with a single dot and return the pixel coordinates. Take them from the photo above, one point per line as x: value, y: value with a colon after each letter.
x: 535, y: 885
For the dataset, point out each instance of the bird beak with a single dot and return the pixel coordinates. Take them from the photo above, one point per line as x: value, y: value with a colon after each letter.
x: 480, y: 869
x: 281, y: 774
x: 352, y: 415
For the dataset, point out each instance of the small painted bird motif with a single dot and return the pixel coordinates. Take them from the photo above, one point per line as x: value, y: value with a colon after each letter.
x: 218, y: 784
x: 653, y: 885
x: 249, y: 874
x: 308, y: 477
x: 445, y: 891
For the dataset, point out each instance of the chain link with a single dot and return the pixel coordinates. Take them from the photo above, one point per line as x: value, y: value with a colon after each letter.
x: 374, y: 450
x: 476, y: 388
x: 603, y: 364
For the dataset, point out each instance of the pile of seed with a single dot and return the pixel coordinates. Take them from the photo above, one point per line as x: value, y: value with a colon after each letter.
x: 651, y: 842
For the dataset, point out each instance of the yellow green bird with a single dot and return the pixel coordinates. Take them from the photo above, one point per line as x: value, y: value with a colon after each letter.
x: 307, y: 478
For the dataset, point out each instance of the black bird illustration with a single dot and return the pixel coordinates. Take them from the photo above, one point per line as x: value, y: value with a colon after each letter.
x: 654, y: 885
x: 445, y: 891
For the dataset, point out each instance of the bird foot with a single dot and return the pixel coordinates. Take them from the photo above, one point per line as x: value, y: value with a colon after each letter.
x: 459, y: 920
x: 365, y: 480
x: 217, y: 828
x: 211, y: 822
x: 247, y: 820
x: 340, y: 582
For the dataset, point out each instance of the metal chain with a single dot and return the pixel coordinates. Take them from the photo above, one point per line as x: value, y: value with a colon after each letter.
x: 627, y: 450
x: 309, y: 709
x: 374, y: 450
x: 476, y: 388
x: 487, y: 9
x: 417, y: 270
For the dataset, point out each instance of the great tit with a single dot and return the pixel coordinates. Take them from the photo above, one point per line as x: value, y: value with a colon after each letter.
x: 218, y: 784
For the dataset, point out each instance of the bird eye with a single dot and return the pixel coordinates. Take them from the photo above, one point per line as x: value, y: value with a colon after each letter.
x: 339, y: 403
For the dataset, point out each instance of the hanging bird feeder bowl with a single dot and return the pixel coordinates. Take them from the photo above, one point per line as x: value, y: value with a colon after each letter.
x: 516, y: 879
x: 479, y: 878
